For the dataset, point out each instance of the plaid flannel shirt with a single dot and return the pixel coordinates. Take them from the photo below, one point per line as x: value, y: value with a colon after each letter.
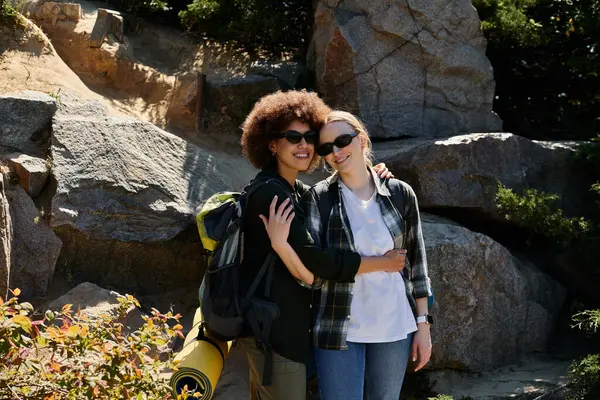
x: 333, y: 313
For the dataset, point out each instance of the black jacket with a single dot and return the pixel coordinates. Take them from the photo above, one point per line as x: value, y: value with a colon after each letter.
x: 290, y: 333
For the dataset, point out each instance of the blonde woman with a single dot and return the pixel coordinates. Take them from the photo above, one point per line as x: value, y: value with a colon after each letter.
x: 365, y: 330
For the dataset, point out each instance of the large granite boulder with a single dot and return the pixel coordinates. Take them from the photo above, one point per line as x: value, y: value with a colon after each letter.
x: 491, y: 308
x: 463, y: 171
x: 407, y: 68
x: 25, y: 120
x: 125, y: 198
x: 35, y: 247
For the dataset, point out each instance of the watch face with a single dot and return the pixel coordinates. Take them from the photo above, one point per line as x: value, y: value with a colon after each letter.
x: 429, y: 319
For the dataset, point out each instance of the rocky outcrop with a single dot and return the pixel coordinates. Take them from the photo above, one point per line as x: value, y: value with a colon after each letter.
x: 491, y: 308
x: 109, y: 22
x: 464, y: 171
x: 53, y: 11
x: 6, y: 235
x: 25, y: 120
x: 290, y: 75
x: 234, y: 97
x: 125, y: 198
x: 35, y: 247
x: 95, y: 302
x: 32, y: 172
x: 407, y: 68
x: 534, y: 377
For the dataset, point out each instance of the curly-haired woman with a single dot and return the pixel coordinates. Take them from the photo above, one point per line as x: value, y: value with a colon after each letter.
x: 279, y: 137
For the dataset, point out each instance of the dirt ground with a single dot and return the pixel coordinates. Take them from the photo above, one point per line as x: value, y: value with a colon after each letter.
x: 28, y: 61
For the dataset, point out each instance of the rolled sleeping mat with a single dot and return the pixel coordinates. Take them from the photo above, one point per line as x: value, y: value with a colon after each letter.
x: 201, y: 362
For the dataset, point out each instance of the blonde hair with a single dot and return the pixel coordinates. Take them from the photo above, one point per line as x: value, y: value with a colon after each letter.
x: 358, y: 127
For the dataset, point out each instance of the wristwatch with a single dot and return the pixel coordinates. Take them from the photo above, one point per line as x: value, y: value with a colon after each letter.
x: 428, y: 319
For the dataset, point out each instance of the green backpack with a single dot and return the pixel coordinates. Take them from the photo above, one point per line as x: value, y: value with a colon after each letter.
x: 223, y: 306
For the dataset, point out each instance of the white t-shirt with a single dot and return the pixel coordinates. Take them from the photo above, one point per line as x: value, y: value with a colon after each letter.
x: 380, y: 311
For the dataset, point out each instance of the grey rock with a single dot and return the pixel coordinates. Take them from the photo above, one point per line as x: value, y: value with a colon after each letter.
x: 95, y: 303
x: 532, y: 377
x: 408, y: 68
x: 32, y: 172
x: 53, y: 11
x: 71, y: 106
x: 125, y: 200
x: 108, y: 22
x: 491, y: 308
x: 35, y: 246
x: 123, y: 179
x: 25, y: 120
x: 463, y: 171
x: 238, y: 95
x: 6, y: 235
x: 291, y: 75
x: 235, y: 96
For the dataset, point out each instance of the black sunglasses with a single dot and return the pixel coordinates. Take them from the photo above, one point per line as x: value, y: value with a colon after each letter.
x: 340, y: 142
x: 295, y: 137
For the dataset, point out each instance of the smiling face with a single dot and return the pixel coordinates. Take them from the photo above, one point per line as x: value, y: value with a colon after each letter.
x: 293, y: 156
x: 347, y: 158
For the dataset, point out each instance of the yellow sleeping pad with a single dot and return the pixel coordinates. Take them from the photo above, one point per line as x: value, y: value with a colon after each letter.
x: 201, y: 362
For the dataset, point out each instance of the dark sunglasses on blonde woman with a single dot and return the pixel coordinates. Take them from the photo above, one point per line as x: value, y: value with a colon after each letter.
x: 340, y: 142
x: 295, y: 137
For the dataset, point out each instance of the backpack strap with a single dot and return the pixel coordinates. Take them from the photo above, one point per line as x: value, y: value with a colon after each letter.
x: 267, y: 265
x: 264, y: 312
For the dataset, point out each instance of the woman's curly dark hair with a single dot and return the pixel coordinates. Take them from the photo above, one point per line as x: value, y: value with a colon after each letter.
x: 275, y: 112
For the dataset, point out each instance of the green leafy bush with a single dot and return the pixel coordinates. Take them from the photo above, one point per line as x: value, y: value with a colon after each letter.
x: 584, y: 375
x: 587, y: 320
x: 546, y: 65
x: 584, y: 379
x: 141, y: 7
x: 8, y: 15
x: 66, y: 356
x: 535, y: 212
x: 508, y: 19
x: 589, y: 155
x: 271, y: 25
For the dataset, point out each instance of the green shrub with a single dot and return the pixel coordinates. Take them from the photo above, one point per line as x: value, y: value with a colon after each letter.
x: 66, y: 356
x: 140, y: 7
x: 8, y: 15
x: 589, y: 155
x: 508, y: 19
x: 584, y: 379
x: 441, y: 397
x: 584, y: 375
x: 546, y: 65
x: 587, y: 320
x: 276, y: 26
x: 596, y: 189
x: 535, y: 212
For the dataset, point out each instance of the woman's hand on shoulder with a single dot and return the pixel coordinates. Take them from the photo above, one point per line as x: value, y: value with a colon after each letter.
x: 279, y: 221
x: 382, y: 171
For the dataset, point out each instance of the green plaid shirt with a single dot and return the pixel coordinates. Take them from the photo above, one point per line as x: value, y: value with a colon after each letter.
x: 404, y: 224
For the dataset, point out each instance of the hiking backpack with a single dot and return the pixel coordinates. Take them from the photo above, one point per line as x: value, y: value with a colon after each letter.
x: 224, y: 308
x: 325, y: 199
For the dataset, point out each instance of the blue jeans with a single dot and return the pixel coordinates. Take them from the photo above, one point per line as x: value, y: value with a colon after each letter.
x: 375, y: 370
